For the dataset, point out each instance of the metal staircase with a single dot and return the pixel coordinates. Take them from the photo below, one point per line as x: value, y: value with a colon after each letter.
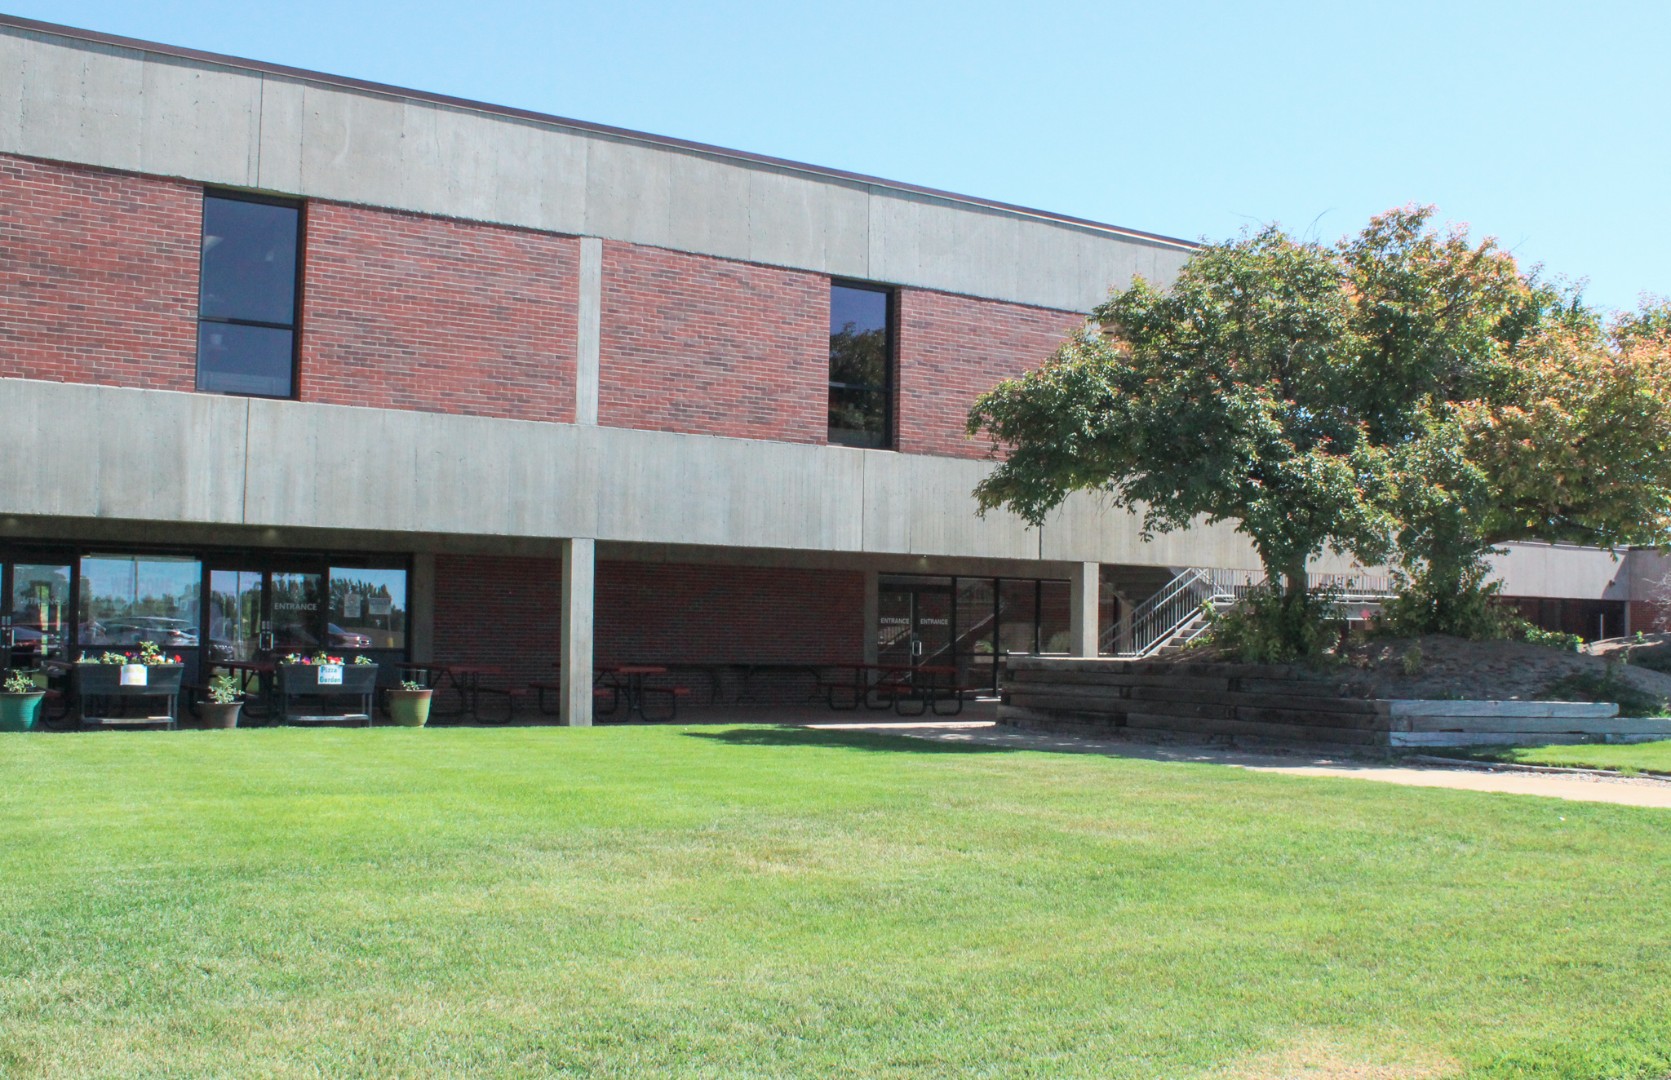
x: 1182, y: 609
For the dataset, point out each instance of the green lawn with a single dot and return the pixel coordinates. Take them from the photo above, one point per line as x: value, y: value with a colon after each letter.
x: 1651, y: 757
x: 762, y: 902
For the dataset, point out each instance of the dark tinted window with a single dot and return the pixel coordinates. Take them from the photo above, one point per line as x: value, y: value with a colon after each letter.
x: 247, y: 304
x: 861, y: 365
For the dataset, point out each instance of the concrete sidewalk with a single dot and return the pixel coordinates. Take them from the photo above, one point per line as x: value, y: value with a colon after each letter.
x: 1625, y: 791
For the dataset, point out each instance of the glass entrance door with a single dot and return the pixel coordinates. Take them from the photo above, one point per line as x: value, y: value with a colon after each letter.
x: 34, y: 612
x: 256, y: 612
x: 915, y: 624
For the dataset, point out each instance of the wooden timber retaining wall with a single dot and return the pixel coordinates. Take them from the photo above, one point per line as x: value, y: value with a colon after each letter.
x: 1282, y: 704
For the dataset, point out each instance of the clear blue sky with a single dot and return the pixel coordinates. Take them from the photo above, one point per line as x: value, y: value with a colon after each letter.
x: 1547, y: 125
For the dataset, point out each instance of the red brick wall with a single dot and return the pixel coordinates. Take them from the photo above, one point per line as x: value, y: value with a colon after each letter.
x: 707, y: 346
x: 98, y: 276
x: 954, y: 348
x: 402, y: 311
x: 504, y: 611
x: 500, y: 610
x: 653, y: 612
x: 1649, y: 617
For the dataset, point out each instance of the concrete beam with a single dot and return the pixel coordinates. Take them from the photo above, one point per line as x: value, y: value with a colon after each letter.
x: 579, y: 593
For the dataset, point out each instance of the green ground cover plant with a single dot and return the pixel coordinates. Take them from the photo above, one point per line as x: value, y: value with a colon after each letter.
x: 767, y: 902
x: 1648, y: 757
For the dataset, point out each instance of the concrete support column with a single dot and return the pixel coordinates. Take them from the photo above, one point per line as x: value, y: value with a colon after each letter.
x: 590, y: 331
x: 579, y: 589
x: 420, y: 602
x: 1084, y: 588
x: 873, y: 613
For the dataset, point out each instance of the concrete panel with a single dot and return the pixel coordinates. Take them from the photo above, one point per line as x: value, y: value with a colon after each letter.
x: 922, y: 506
x: 82, y: 103
x: 351, y: 151
x: 709, y: 210
x: 200, y: 121
x: 563, y: 161
x: 986, y: 248
x: 847, y: 231
x: 628, y: 192
x: 694, y: 489
x: 812, y: 224
x: 138, y: 454
x: 279, y: 157
x: 12, y: 55
x: 1047, y: 267
x: 1561, y: 570
x: 894, y: 242
x: 322, y: 466
x: 441, y: 162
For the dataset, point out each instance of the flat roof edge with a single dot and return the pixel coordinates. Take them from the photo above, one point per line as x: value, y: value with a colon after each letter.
x: 364, y: 86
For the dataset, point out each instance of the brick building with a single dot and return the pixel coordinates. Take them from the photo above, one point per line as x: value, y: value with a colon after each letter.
x: 294, y: 360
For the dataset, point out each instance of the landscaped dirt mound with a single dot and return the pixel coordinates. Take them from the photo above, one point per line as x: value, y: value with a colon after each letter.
x: 1445, y: 667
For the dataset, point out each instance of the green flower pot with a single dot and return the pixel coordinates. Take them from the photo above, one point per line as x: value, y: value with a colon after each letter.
x: 19, y: 712
x: 409, y: 708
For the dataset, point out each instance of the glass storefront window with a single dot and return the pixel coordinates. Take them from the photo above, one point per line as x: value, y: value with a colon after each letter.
x: 127, y: 599
x: 1055, y: 617
x: 1018, y: 624
x: 367, y: 608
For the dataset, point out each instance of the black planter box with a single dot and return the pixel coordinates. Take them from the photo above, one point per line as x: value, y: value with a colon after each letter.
x: 301, y: 681
x: 99, y: 689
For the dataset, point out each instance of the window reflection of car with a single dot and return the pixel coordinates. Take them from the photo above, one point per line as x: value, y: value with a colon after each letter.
x: 347, y: 639
x: 294, y: 638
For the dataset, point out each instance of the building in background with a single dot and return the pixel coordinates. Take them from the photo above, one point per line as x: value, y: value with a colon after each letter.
x: 292, y: 361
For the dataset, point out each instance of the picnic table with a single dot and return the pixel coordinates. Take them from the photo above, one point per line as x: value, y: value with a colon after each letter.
x: 894, y: 686
x: 627, y: 682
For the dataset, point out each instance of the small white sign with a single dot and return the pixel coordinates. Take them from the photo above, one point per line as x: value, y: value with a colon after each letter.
x: 135, y: 675
x: 380, y: 605
x: 330, y: 674
x: 351, y: 605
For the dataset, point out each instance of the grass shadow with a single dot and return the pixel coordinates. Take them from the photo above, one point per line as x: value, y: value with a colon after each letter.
x: 842, y: 740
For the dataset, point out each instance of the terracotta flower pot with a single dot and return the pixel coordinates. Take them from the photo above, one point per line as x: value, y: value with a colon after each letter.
x: 220, y: 715
x: 409, y: 708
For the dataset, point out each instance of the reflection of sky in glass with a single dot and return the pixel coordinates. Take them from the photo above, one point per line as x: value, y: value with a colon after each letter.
x: 129, y: 580
x: 866, y: 309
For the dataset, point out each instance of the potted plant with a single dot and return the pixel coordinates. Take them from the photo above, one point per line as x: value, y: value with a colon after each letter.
x: 20, y: 702
x: 225, y: 700
x: 409, y: 705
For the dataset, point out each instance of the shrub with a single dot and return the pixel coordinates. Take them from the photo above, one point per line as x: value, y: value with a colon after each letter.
x: 1269, y: 627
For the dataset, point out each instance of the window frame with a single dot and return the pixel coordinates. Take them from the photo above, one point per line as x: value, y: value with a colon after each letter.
x: 294, y: 327
x: 890, y: 377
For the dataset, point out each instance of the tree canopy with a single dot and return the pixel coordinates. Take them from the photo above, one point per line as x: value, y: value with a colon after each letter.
x: 1404, y: 393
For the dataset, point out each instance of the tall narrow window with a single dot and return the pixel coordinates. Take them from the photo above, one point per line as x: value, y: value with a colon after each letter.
x: 861, y: 365
x: 246, y: 328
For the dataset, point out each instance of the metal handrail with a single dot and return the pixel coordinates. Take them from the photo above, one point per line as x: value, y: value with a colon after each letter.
x: 1177, y: 607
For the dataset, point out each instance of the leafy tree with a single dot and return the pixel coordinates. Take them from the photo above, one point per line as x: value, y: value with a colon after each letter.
x: 1225, y: 398
x: 1404, y: 390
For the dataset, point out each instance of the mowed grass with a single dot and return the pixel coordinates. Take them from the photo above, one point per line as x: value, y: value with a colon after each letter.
x: 1649, y: 757
x: 759, y: 902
